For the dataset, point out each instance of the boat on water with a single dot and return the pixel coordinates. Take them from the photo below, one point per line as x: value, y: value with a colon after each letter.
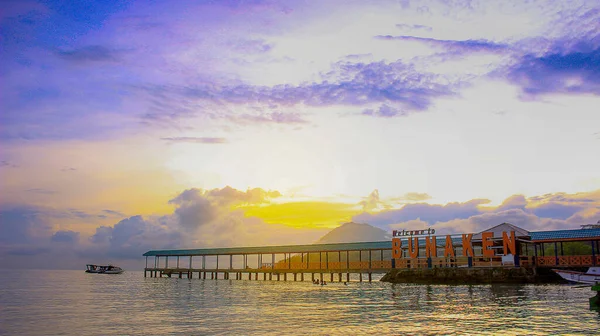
x: 103, y: 269
x: 592, y: 276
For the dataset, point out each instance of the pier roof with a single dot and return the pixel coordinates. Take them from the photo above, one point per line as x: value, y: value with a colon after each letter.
x: 385, y: 245
x: 565, y: 235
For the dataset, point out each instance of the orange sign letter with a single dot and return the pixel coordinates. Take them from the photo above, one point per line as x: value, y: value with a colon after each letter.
x: 487, y: 244
x: 467, y: 246
x: 449, y: 250
x: 510, y: 245
x: 430, y: 247
x: 413, y: 247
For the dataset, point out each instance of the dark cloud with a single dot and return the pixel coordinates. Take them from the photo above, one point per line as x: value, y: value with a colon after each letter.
x: 574, y: 70
x: 23, y: 225
x: 193, y: 209
x: 133, y: 236
x: 198, y: 140
x: 66, y: 236
x: 89, y: 54
x: 430, y: 213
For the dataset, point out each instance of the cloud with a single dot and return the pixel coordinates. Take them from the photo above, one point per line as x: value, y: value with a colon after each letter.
x: 202, y: 218
x: 545, y: 212
x: 429, y: 213
x: 89, y: 54
x: 385, y: 111
x: 269, y: 118
x: 456, y: 46
x: 7, y: 164
x: 66, y: 236
x: 250, y: 46
x: 198, y: 140
x: 114, y: 212
x: 573, y: 70
x: 371, y: 202
x: 415, y: 196
x: 23, y: 225
x: 347, y: 84
x: 411, y: 27
x: 41, y: 191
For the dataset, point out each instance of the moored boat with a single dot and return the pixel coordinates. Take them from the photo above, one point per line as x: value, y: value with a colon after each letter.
x: 590, y: 277
x: 101, y: 269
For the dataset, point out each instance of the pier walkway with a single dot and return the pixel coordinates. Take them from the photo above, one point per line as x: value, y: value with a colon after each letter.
x: 336, y: 262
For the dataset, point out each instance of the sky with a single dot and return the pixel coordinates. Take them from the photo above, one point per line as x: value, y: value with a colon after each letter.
x: 127, y: 126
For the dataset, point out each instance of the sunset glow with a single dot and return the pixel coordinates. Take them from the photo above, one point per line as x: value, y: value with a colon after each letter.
x: 129, y: 126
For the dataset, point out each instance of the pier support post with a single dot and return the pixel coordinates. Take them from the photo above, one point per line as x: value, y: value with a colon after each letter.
x: 301, y: 276
x: 360, y: 277
x: 331, y: 277
x: 369, y: 277
x: 348, y: 277
x: 321, y: 277
x: 295, y: 274
x: 340, y: 277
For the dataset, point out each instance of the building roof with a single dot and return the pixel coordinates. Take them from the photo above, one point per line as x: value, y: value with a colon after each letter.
x: 504, y: 227
x: 565, y: 235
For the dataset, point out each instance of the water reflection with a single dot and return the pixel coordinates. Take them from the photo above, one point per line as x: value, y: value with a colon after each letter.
x: 74, y: 303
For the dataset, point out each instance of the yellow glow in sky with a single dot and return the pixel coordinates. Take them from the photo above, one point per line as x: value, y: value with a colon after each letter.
x: 305, y: 214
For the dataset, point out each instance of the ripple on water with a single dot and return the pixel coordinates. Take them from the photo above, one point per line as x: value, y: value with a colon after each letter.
x: 76, y: 303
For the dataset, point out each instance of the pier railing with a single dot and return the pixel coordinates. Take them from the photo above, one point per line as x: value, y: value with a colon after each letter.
x: 565, y: 261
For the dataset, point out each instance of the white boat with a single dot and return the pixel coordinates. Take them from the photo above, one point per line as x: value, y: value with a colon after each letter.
x: 101, y: 269
x: 590, y: 277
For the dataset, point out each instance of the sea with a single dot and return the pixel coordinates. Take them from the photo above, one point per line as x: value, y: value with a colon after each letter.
x: 54, y: 302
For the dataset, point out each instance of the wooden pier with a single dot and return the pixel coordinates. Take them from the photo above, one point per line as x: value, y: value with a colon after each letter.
x: 325, y: 262
x: 337, y: 262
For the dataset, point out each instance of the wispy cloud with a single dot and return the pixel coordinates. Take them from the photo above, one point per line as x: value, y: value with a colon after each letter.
x: 198, y: 140
x: 347, y: 84
x: 451, y: 45
x: 41, y: 191
x: 411, y: 27
x: 114, y: 212
x: 89, y: 54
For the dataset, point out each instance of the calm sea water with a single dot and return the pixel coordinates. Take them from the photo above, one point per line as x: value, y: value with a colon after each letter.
x: 35, y: 302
